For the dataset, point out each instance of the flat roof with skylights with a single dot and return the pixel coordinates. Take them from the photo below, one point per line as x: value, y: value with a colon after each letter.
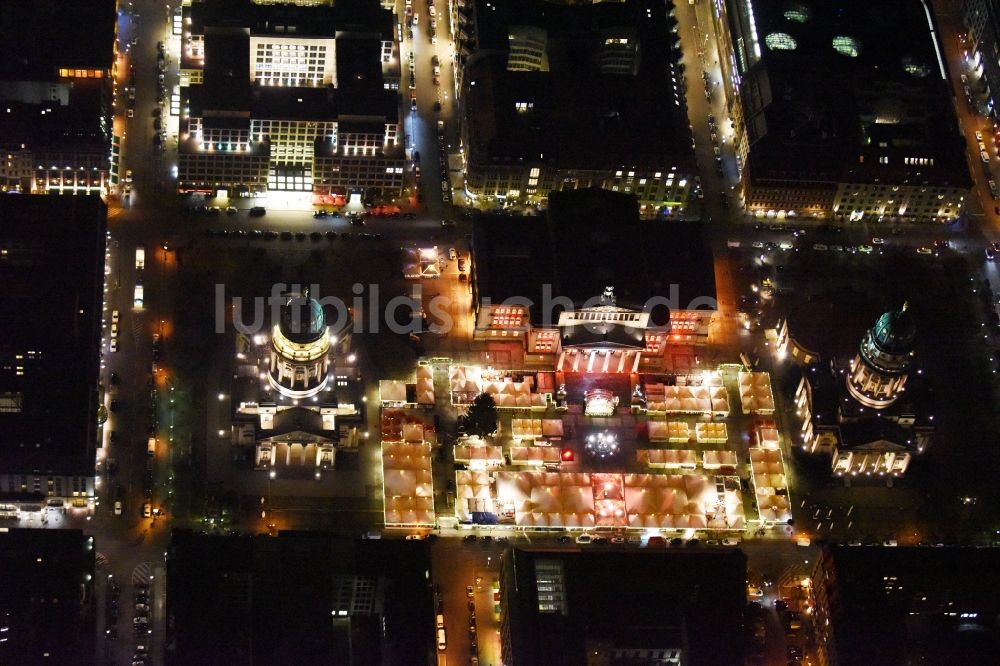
x: 850, y: 92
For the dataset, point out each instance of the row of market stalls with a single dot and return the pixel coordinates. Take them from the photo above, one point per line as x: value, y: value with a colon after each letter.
x: 420, y: 392
x: 509, y: 389
x: 408, y: 486
x: 723, y: 461
x: 579, y: 499
x: 690, y: 394
x: 768, y: 473
x: 682, y: 432
x: 755, y: 393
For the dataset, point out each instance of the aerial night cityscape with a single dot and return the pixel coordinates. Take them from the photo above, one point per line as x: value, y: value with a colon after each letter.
x: 499, y: 332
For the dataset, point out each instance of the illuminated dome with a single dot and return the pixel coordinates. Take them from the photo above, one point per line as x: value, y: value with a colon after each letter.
x: 780, y: 41
x: 879, y: 371
x: 894, y: 331
x: 302, y: 319
x: 846, y: 45
x: 300, y: 348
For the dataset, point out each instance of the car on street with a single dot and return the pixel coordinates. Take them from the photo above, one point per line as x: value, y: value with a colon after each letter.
x: 118, y: 507
x: 416, y: 537
x: 820, y: 247
x: 113, y: 345
x: 114, y: 330
x: 469, y: 592
x: 147, y: 510
x: 584, y: 539
x: 990, y: 254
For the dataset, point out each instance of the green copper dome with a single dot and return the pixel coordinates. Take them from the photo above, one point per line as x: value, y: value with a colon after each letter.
x: 895, y: 331
x: 302, y: 319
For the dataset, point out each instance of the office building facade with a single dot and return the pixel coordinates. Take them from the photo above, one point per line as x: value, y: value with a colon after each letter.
x: 295, y: 99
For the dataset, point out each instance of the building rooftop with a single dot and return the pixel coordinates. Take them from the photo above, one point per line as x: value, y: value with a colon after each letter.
x: 832, y: 402
x: 52, y: 269
x: 302, y: 319
x: 575, y: 114
x: 284, y: 20
x: 623, y: 601
x: 42, y: 36
x: 229, y: 97
x: 876, y: 104
x: 894, y: 332
x: 298, y: 598
x: 913, y: 605
x: 833, y: 323
x: 226, y: 86
x: 591, y: 239
x: 47, y: 612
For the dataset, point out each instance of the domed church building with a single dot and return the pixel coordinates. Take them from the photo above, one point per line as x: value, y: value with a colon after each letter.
x: 300, y: 348
x: 870, y: 410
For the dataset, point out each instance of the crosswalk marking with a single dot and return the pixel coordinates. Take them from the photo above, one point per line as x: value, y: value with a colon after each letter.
x: 142, y: 573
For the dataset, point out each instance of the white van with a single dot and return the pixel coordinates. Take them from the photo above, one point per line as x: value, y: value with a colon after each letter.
x: 442, y: 639
x: 140, y: 257
x: 151, y: 446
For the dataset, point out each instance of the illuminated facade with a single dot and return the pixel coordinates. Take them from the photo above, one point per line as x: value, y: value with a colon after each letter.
x: 56, y: 132
x: 878, y: 372
x: 532, y: 61
x: 315, y: 112
x: 865, y: 413
x: 297, y: 393
x: 575, y: 323
x: 872, y: 139
x: 300, y: 348
x: 50, y: 357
